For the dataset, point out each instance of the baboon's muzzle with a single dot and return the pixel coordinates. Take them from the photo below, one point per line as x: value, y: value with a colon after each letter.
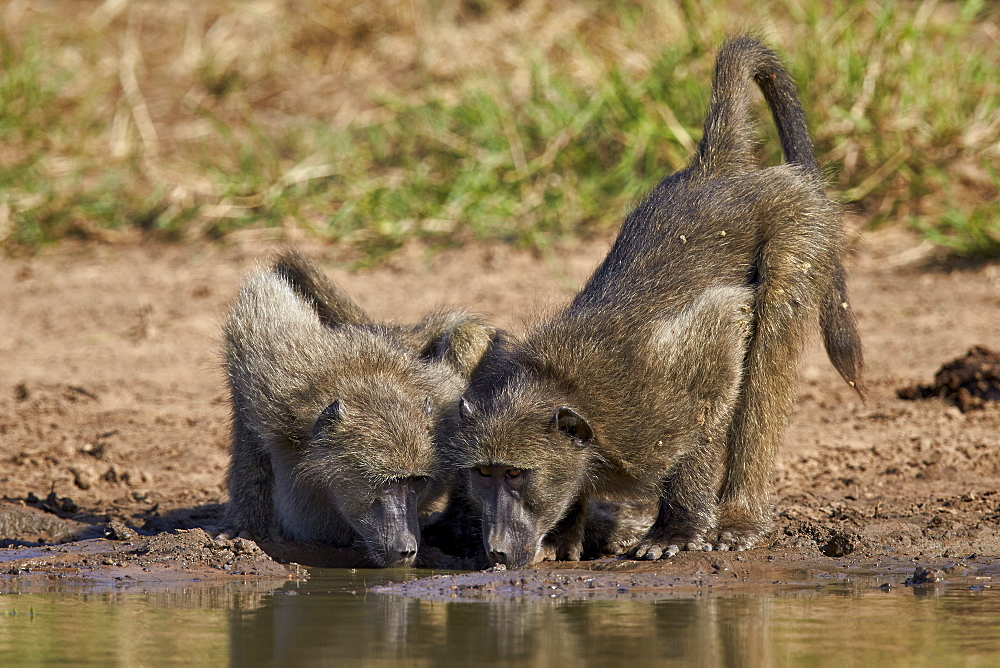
x: 508, y: 544
x: 393, y: 531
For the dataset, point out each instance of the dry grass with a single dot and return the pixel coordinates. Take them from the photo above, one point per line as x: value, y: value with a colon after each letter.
x: 377, y: 122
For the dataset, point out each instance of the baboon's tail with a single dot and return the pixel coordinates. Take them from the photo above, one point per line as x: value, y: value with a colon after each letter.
x: 726, y: 145
x: 332, y: 305
x: 840, y: 333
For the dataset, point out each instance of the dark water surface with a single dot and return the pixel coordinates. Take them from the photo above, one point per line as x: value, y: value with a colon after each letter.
x: 331, y: 620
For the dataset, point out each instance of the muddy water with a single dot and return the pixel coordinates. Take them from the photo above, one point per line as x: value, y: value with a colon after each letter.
x: 333, y: 619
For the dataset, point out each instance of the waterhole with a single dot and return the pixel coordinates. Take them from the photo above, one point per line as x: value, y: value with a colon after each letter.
x: 334, y: 618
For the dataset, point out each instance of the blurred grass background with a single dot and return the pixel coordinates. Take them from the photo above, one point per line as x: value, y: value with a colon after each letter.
x: 377, y: 122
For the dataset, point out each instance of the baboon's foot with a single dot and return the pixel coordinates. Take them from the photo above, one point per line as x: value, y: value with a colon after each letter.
x: 658, y: 544
x: 739, y: 540
x: 741, y: 531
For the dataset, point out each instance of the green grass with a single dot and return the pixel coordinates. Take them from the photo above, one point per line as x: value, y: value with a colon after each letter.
x: 447, y: 122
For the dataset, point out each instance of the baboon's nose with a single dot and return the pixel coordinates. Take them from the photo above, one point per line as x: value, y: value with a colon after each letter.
x: 406, y: 555
x: 498, y: 557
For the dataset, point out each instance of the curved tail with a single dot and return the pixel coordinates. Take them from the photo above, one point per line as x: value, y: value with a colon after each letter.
x: 332, y: 304
x: 726, y: 145
x: 727, y: 148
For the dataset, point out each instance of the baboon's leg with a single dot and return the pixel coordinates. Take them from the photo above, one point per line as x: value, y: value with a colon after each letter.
x: 614, y: 528
x: 251, y: 480
x: 687, y: 506
x: 565, y: 541
x: 795, y: 271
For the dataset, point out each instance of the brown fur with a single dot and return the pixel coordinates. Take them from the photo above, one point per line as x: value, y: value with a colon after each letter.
x: 677, y: 359
x: 334, y: 417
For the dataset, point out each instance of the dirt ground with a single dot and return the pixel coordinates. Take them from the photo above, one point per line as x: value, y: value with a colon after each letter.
x: 113, y: 407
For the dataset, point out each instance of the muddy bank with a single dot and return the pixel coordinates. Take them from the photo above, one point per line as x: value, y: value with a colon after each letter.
x: 125, y: 558
x: 689, y: 574
x: 797, y: 554
x: 113, y: 407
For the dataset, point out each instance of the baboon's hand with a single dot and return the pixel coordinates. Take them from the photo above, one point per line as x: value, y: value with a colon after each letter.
x: 229, y: 533
x: 663, y: 545
x: 569, y: 552
x: 560, y: 549
x: 546, y: 552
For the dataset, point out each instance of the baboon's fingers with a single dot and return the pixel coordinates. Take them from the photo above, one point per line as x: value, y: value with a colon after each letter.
x: 651, y: 551
x: 646, y: 551
x: 570, y: 553
x: 228, y: 533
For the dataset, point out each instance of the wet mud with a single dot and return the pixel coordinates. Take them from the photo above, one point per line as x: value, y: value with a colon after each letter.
x: 125, y: 558
x: 114, y: 424
x: 690, y: 574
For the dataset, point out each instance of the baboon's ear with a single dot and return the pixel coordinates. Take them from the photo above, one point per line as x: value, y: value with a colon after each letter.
x: 465, y: 410
x: 571, y: 423
x: 335, y: 412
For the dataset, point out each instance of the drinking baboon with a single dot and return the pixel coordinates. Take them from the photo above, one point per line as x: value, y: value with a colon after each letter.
x: 334, y: 416
x: 677, y: 356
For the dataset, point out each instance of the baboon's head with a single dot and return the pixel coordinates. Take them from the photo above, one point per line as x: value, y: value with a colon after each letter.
x: 372, y: 452
x: 524, y: 458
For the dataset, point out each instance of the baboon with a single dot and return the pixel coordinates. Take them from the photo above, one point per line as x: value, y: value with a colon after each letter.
x: 335, y: 416
x: 672, y: 373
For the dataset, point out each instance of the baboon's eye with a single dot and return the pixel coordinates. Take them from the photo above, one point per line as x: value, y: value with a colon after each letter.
x: 512, y: 473
x: 483, y: 471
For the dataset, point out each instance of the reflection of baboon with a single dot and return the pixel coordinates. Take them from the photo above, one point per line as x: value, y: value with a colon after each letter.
x: 679, y: 352
x: 334, y: 416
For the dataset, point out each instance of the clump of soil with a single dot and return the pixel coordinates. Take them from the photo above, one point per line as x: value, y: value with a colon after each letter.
x: 124, y: 557
x: 968, y: 382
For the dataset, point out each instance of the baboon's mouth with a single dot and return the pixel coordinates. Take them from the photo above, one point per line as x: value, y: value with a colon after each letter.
x: 404, y: 562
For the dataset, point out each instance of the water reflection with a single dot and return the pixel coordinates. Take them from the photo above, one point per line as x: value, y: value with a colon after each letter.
x: 331, y: 620
x: 310, y: 628
x: 829, y: 626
